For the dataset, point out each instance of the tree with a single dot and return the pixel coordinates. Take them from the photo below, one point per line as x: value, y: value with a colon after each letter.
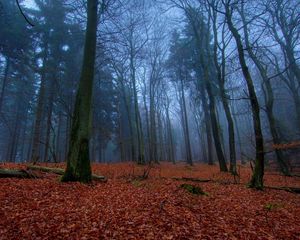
x: 257, y: 177
x: 78, y: 160
x: 268, y: 93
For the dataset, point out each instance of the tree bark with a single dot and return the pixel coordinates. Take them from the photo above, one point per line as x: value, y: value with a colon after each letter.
x: 214, y: 124
x: 185, y: 123
x: 269, y: 97
x: 221, y: 82
x: 257, y: 177
x: 35, y: 152
x: 78, y: 161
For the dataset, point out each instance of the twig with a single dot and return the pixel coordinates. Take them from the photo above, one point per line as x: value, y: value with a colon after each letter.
x: 23, y: 14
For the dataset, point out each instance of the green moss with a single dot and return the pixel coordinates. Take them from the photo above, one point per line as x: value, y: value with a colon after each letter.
x: 193, y: 189
x: 136, y: 183
x: 272, y: 206
x: 79, y: 167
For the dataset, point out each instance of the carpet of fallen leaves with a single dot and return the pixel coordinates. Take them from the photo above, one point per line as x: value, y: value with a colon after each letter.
x: 156, y: 208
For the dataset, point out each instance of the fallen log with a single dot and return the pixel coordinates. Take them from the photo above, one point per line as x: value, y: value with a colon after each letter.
x: 287, y: 189
x: 191, y: 179
x: 60, y: 171
x: 11, y: 173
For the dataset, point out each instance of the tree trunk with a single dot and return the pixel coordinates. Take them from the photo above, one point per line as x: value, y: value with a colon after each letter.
x: 269, y: 98
x: 188, y: 151
x: 78, y: 161
x: 4, y: 83
x: 170, y: 138
x: 215, y: 126
x: 207, y: 126
x: 153, y: 135
x: 257, y: 177
x: 138, y: 123
x: 49, y: 122
x: 221, y: 81
x: 58, y: 137
x: 35, y: 152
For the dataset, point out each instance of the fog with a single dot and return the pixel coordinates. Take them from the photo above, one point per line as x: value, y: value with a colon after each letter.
x: 189, y: 81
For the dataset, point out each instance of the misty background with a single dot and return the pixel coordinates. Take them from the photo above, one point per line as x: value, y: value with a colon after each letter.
x: 162, y: 87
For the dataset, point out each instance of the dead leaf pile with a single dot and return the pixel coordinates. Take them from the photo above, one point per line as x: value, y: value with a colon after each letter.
x: 156, y: 208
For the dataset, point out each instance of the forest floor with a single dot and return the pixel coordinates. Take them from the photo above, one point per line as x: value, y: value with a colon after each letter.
x: 155, y: 208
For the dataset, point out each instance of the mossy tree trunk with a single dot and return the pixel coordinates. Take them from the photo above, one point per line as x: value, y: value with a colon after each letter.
x: 78, y: 160
x: 257, y: 177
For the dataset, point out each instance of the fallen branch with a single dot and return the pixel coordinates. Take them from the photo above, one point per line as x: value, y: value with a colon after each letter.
x: 10, y: 173
x: 287, y: 189
x: 60, y: 171
x: 191, y: 179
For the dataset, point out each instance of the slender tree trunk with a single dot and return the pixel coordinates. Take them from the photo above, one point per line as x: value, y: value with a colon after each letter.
x: 207, y: 126
x: 257, y: 177
x: 58, y: 137
x: 4, y: 83
x: 188, y: 151
x: 153, y: 135
x: 147, y: 127
x: 78, y: 161
x: 130, y: 123
x: 215, y: 126
x: 170, y: 138
x: 221, y: 81
x: 296, y: 99
x: 269, y: 97
x: 35, y: 153
x: 138, y: 124
x: 49, y: 122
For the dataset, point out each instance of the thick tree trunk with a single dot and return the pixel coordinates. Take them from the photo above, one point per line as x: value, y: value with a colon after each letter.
x: 257, y: 177
x: 78, y: 161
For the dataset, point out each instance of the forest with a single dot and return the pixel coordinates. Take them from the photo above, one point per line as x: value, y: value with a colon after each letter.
x: 149, y: 119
